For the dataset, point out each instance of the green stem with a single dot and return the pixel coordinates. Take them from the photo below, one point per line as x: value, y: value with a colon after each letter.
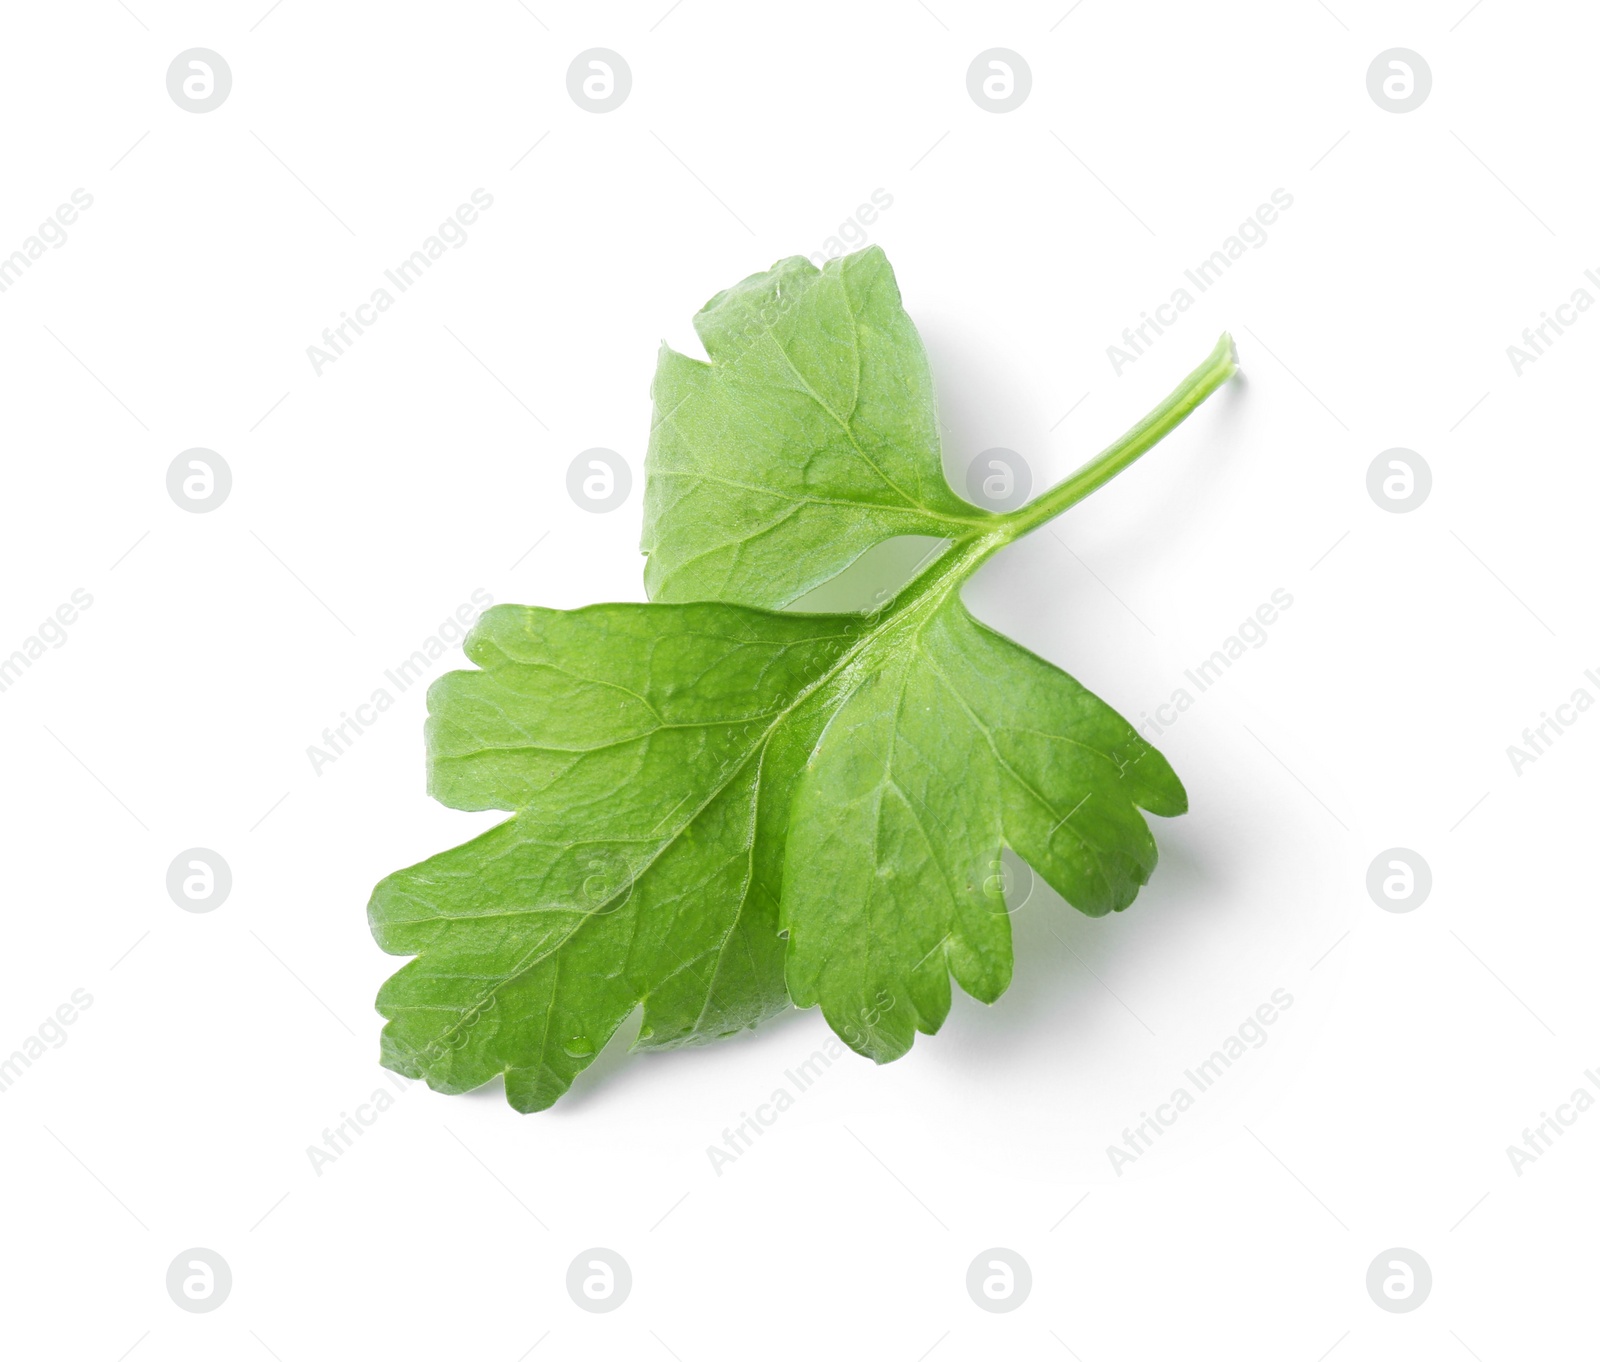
x: 957, y: 562
x: 1218, y: 367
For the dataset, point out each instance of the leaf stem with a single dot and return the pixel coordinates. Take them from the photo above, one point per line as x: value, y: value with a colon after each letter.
x: 1218, y: 367
x: 963, y: 553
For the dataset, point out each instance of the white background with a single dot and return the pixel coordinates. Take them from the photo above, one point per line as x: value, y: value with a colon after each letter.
x: 368, y: 502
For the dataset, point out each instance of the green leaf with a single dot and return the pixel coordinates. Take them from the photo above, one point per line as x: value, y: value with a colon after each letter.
x: 954, y: 743
x: 651, y: 752
x: 809, y: 437
x: 719, y: 808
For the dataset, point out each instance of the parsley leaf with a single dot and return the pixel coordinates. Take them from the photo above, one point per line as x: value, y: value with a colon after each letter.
x: 810, y: 436
x: 719, y: 807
